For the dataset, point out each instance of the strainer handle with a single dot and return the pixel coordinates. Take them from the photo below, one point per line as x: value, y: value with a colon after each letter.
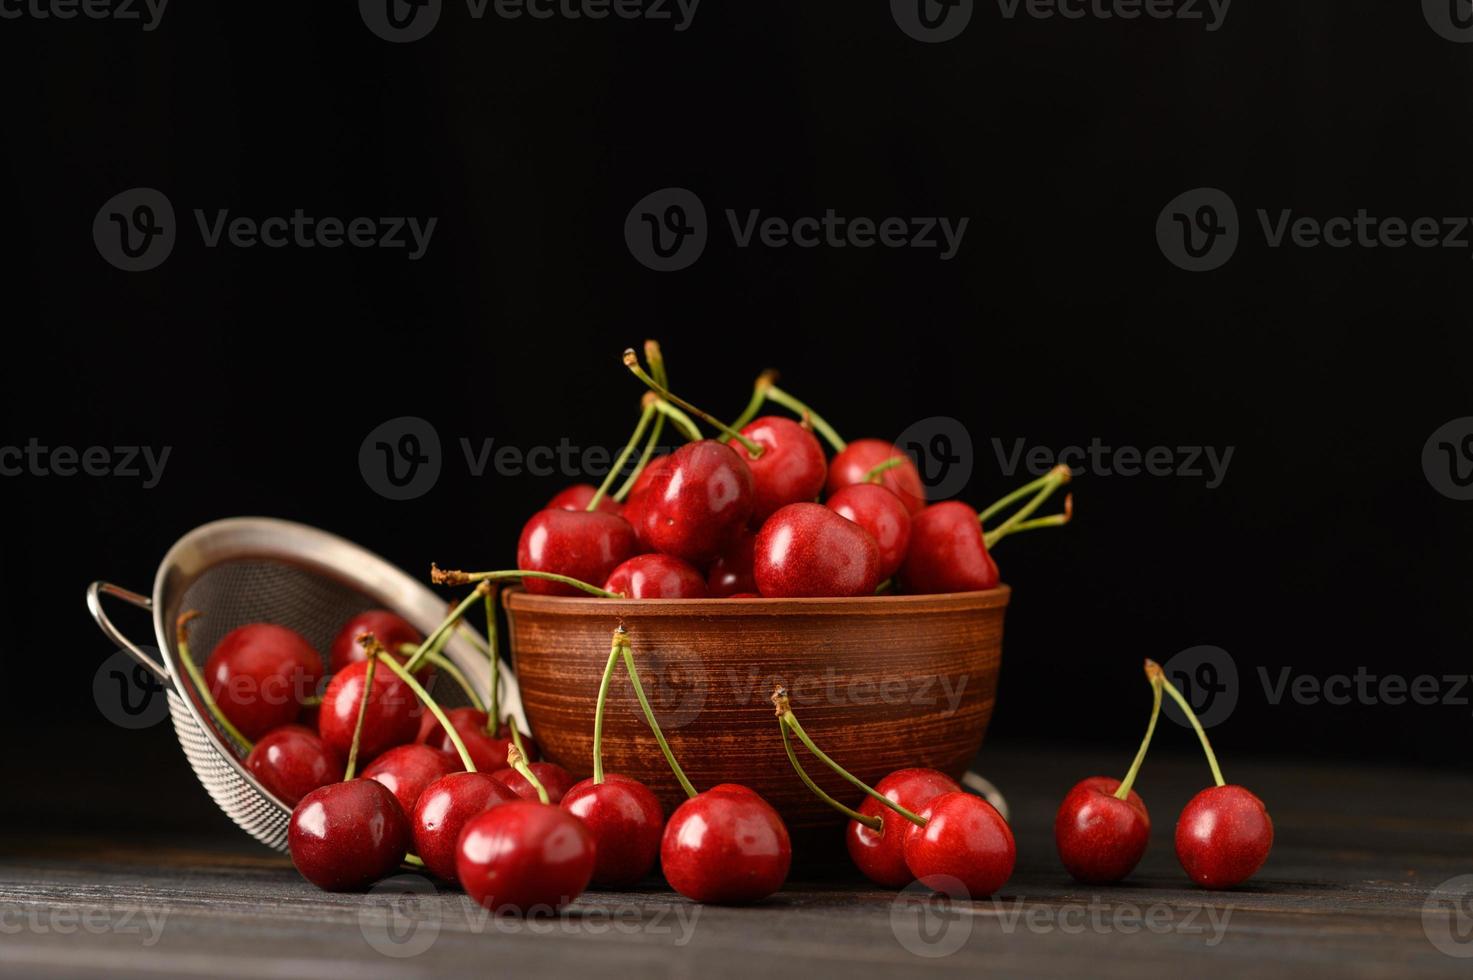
x: 95, y: 592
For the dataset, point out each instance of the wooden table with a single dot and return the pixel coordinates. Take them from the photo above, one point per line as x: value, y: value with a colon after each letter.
x: 1345, y: 894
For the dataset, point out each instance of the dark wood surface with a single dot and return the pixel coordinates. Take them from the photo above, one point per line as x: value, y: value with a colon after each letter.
x: 1344, y: 895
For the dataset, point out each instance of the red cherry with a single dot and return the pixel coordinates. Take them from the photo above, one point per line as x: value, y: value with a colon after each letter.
x: 487, y: 751
x: 625, y: 820
x: 652, y: 469
x: 442, y: 812
x: 406, y: 770
x: 790, y: 469
x: 389, y: 720
x: 345, y: 836
x: 260, y: 674
x: 965, y: 849
x: 291, y: 762
x: 1101, y: 839
x: 390, y: 629
x: 580, y: 544
x: 808, y: 550
x: 1223, y: 836
x: 744, y: 595
x: 882, y: 514
x: 698, y: 503
x: 520, y: 857
x: 731, y: 572
x: 947, y: 553
x: 725, y: 846
x: 554, y: 778
x: 577, y: 497
x: 880, y: 854
x: 656, y: 576
x: 862, y: 455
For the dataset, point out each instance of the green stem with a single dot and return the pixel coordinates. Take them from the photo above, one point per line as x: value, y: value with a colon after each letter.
x: 441, y: 577
x: 656, y: 358
x: 493, y: 692
x: 598, y: 711
x: 873, y: 823
x: 1056, y: 478
x: 759, y: 396
x: 1186, y: 707
x: 873, y: 475
x: 352, y: 767
x: 649, y: 717
x: 645, y: 416
x: 414, y: 860
x: 516, y: 734
x: 1140, y: 756
x: 441, y: 632
x: 518, y: 761
x: 191, y: 668
x: 443, y: 663
x: 631, y: 361
x: 679, y: 419
x: 1002, y: 503
x: 644, y: 458
x: 774, y: 393
x: 434, y: 709
x: 1053, y: 520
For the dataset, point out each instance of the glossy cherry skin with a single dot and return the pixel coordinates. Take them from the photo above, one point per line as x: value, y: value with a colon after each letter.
x: 966, y: 848
x: 947, y: 553
x: 731, y: 571
x: 583, y: 545
x: 487, y: 751
x: 577, y: 497
x: 260, y: 674
x: 442, y: 812
x: 791, y: 468
x: 696, y: 505
x: 882, y: 514
x: 554, y: 778
x: 862, y: 455
x: 1223, y: 836
x: 657, y: 576
x: 725, y: 846
x: 519, y: 857
x: 407, y: 770
x: 1101, y: 839
x: 390, y: 629
x: 345, y: 836
x: 880, y: 855
x: 291, y: 762
x: 808, y: 550
x: 626, y: 821
x: 390, y: 719
x: 652, y: 469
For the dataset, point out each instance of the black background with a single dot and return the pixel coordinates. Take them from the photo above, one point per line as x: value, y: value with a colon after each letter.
x: 1324, y: 549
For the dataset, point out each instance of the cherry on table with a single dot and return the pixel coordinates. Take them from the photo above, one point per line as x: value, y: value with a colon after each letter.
x: 1223, y: 836
x: 791, y: 467
x: 1101, y: 838
x: 626, y: 821
x: 518, y: 857
x: 553, y: 777
x: 882, y: 514
x: 346, y: 836
x: 853, y: 464
x: 947, y: 552
x: 657, y: 576
x: 390, y: 718
x: 808, y: 550
x: 965, y: 849
x: 442, y: 812
x: 260, y: 674
x: 391, y: 629
x: 726, y: 846
x: 880, y: 854
x: 585, y: 545
x: 291, y: 762
x: 577, y: 496
x: 407, y: 770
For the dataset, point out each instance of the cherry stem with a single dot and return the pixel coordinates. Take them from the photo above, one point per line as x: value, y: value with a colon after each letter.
x: 1140, y: 757
x: 759, y: 395
x: 441, y: 662
x: 645, y: 416
x: 424, y: 696
x: 631, y: 361
x: 1053, y: 520
x: 786, y: 716
x: 873, y: 823
x: 493, y: 688
x: 1054, y: 479
x: 656, y: 358
x: 873, y: 475
x: 886, y: 586
x: 644, y: 457
x: 1002, y: 503
x: 440, y: 576
x: 679, y: 419
x: 518, y: 761
x: 774, y: 393
x: 516, y: 734
x: 352, y: 767
x: 181, y: 637
x: 441, y: 633
x: 603, y: 697
x: 1186, y: 708
x: 649, y: 714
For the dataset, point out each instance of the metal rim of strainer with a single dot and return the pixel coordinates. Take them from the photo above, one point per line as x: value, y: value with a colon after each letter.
x: 311, y: 549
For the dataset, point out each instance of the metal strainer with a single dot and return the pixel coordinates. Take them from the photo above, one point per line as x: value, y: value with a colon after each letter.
x: 254, y: 569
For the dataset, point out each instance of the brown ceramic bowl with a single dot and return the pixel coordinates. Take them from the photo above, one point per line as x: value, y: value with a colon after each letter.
x: 879, y: 683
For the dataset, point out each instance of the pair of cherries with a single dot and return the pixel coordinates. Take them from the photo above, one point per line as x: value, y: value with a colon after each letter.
x: 1102, y: 828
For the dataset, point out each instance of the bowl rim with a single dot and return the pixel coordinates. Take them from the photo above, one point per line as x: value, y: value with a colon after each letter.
x: 517, y: 599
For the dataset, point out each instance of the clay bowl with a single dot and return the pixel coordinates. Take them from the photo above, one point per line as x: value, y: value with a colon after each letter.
x: 880, y: 683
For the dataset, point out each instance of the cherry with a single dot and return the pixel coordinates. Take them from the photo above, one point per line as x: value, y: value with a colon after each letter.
x: 882, y: 514
x: 389, y: 718
x: 647, y: 477
x: 1101, y: 837
x: 791, y: 467
x: 585, y: 545
x: 291, y: 762
x: 965, y: 849
x: 808, y: 550
x: 442, y: 812
x: 880, y: 853
x: 626, y: 820
x: 486, y: 750
x: 656, y: 576
x: 1223, y: 836
x: 577, y: 497
x: 346, y: 836
x: 406, y: 770
x: 522, y: 856
x: 853, y: 464
x: 947, y: 552
x: 744, y: 595
x: 259, y: 675
x: 554, y: 778
x: 731, y: 571
x: 391, y: 629
x: 696, y: 505
x: 726, y: 846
